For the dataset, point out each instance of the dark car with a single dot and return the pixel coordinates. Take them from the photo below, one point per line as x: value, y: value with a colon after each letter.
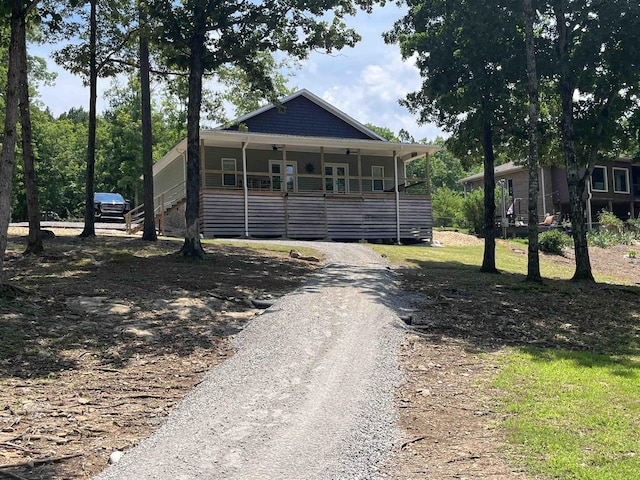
x: 110, y: 206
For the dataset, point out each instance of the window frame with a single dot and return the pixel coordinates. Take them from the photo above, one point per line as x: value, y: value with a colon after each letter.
x: 229, y: 175
x: 283, y: 176
x: 626, y: 180
x: 377, y: 178
x: 335, y: 178
x: 606, y: 179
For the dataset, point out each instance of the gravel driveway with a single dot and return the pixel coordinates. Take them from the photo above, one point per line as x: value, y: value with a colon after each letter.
x: 308, y: 395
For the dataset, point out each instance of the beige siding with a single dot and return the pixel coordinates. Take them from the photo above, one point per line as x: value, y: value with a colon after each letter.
x: 172, y: 175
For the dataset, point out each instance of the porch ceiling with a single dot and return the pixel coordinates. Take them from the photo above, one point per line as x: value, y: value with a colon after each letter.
x: 406, y: 151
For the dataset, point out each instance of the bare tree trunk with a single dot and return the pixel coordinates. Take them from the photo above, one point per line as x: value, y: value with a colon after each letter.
x: 489, y: 257
x: 34, y: 240
x: 533, y: 259
x: 89, y: 211
x: 149, y: 232
x: 575, y: 181
x: 10, y: 133
x: 192, y: 246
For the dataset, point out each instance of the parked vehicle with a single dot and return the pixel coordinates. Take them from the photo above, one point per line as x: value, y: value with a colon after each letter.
x: 110, y: 206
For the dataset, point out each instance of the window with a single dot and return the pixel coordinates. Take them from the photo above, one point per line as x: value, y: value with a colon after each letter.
x: 336, y: 180
x: 283, y: 177
x: 620, y: 180
x: 377, y: 173
x: 599, y: 179
x: 228, y: 165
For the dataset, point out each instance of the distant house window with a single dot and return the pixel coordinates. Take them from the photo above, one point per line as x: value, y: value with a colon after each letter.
x: 336, y: 177
x: 620, y: 180
x: 228, y: 165
x: 377, y: 173
x: 599, y: 179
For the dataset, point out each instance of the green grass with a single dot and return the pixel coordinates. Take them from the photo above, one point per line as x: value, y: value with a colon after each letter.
x: 573, y: 415
x: 506, y: 260
x: 567, y: 414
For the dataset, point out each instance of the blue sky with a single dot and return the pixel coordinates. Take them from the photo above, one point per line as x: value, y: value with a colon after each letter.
x: 365, y: 81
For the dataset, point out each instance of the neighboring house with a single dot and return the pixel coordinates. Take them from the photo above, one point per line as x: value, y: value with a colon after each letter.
x: 306, y: 171
x: 614, y: 186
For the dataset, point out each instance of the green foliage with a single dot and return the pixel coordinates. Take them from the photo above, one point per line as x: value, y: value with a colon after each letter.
x: 632, y: 253
x: 610, y: 222
x: 473, y: 210
x: 606, y: 238
x: 554, y: 241
x: 447, y: 207
x: 573, y: 414
x: 634, y: 226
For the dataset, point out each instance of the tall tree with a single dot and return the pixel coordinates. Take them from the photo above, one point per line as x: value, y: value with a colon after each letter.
x: 34, y: 239
x: 467, y: 83
x: 149, y: 232
x: 533, y: 258
x: 99, y: 56
x: 597, y: 63
x: 203, y: 35
x: 18, y: 11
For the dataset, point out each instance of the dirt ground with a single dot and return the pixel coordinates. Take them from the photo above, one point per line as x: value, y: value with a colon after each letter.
x: 448, y: 409
x: 97, y: 346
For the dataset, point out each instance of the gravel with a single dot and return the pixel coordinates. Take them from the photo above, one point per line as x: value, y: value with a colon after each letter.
x: 308, y: 395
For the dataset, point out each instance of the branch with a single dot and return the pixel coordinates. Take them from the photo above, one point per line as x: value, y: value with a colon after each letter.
x: 29, y: 8
x: 164, y: 73
x: 118, y: 47
x: 595, y: 148
x: 40, y: 461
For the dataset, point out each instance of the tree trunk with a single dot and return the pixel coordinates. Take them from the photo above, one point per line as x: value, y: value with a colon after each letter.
x: 575, y: 182
x: 10, y: 134
x: 192, y: 246
x: 34, y: 239
x: 533, y: 259
x: 149, y: 232
x: 89, y: 209
x: 489, y: 258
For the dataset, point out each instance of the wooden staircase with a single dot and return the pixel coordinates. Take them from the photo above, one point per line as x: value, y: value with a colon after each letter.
x: 134, y: 219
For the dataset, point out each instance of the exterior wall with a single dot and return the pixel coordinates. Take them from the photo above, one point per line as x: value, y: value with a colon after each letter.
x: 302, y: 117
x: 315, y: 216
x: 170, y: 176
x: 308, y: 167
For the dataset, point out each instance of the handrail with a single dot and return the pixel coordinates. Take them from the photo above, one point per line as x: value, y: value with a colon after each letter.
x: 161, y: 202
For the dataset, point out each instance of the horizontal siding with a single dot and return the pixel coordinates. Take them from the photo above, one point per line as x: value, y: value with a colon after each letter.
x: 316, y: 216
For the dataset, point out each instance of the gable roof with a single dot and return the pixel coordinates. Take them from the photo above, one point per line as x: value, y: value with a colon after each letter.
x: 499, y: 170
x: 304, y: 114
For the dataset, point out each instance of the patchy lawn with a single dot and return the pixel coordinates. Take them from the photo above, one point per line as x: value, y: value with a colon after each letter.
x: 468, y: 326
x: 109, y: 334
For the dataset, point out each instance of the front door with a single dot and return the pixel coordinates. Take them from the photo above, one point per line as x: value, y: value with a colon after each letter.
x: 283, y: 176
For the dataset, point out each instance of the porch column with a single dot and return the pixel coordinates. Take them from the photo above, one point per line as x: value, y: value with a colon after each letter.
x: 427, y: 172
x: 397, y: 192
x: 360, y: 171
x: 324, y: 178
x: 246, y: 188
x: 286, y: 190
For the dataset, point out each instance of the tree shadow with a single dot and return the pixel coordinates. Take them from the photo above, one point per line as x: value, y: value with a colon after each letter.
x: 490, y: 312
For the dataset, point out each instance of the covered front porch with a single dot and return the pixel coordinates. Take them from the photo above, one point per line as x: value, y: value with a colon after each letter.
x: 264, y: 185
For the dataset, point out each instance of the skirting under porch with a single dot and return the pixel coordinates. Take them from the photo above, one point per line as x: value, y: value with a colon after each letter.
x: 309, y: 216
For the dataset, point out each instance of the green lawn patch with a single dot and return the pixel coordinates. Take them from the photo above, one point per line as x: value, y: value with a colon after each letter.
x: 573, y: 415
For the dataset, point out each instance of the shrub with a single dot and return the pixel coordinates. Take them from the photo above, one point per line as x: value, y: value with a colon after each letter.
x: 606, y: 238
x: 554, y: 241
x: 610, y: 222
x: 634, y: 226
x: 447, y: 207
x: 473, y: 209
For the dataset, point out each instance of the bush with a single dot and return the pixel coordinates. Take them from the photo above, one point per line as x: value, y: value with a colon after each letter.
x: 610, y: 222
x: 447, y: 207
x: 606, y: 238
x: 634, y: 226
x: 473, y: 209
x: 554, y: 241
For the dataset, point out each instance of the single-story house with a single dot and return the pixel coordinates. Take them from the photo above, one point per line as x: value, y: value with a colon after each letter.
x: 614, y: 186
x: 303, y: 171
